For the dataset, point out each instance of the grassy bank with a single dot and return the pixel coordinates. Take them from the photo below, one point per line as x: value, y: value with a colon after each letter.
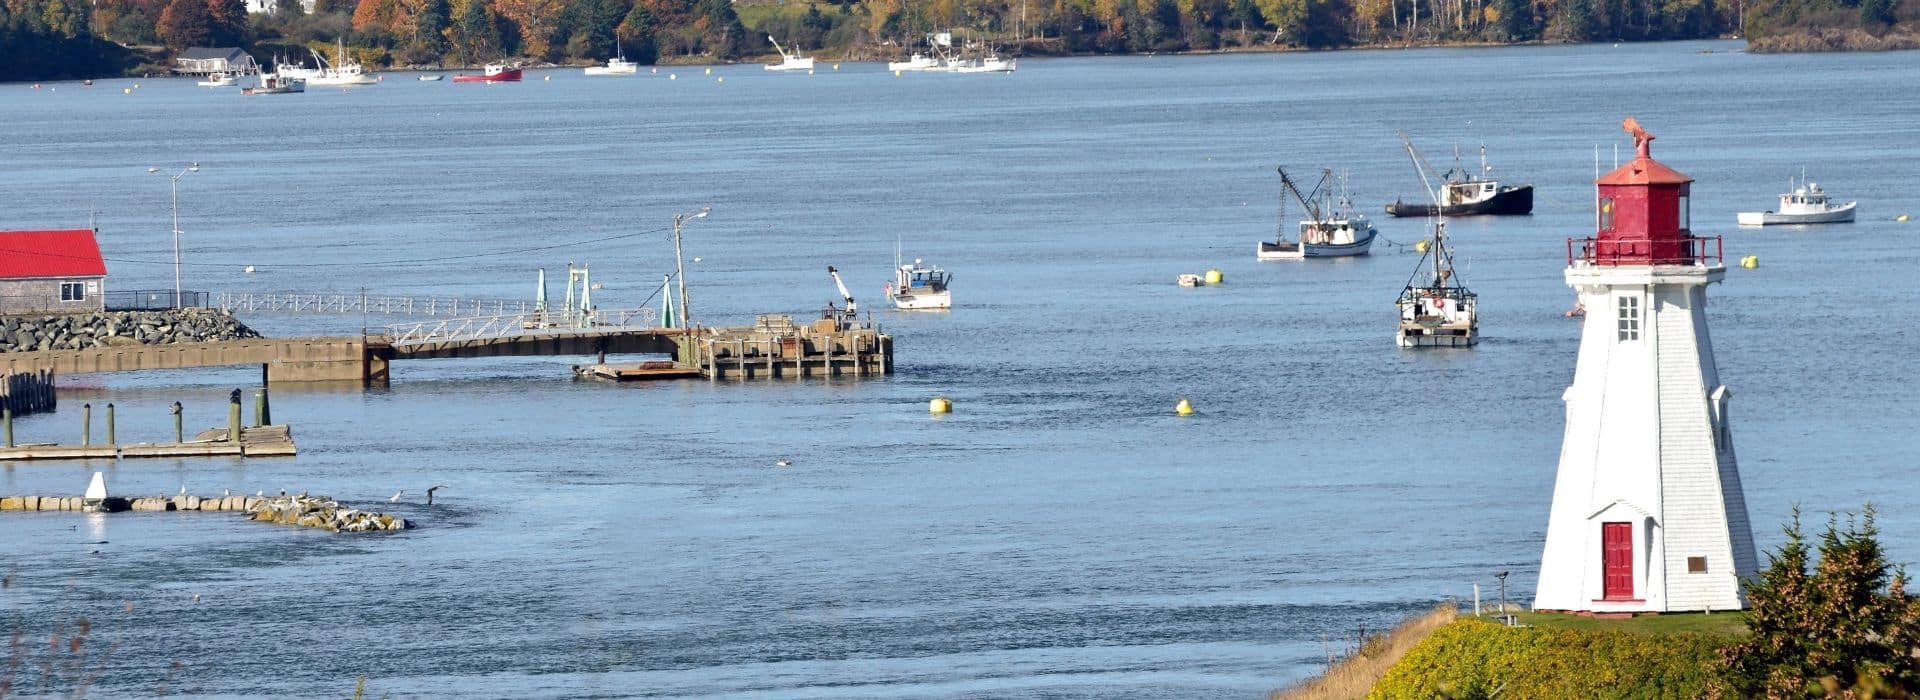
x: 1352, y: 676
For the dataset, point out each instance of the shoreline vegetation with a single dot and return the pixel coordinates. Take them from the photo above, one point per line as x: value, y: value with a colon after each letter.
x: 67, y: 39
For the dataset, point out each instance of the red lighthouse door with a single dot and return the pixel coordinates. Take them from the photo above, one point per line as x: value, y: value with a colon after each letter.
x: 1616, y: 559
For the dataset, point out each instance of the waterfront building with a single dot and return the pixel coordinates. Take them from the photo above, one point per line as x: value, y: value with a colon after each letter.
x: 1648, y: 514
x: 51, y: 272
x: 202, y: 61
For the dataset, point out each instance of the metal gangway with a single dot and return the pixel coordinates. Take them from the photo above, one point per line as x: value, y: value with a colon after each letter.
x: 364, y: 304
x: 521, y: 326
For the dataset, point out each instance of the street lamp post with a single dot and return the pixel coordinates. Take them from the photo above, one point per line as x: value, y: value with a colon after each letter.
x: 191, y: 168
x: 680, y: 262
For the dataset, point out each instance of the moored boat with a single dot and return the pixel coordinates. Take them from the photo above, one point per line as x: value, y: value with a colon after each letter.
x: 789, y: 61
x: 1331, y: 229
x: 432, y: 77
x: 276, y: 84
x: 916, y: 62
x: 493, y: 73
x: 1436, y: 308
x: 1803, y: 203
x: 618, y: 65
x: 342, y: 71
x: 219, y: 80
x: 1463, y: 193
x: 918, y: 286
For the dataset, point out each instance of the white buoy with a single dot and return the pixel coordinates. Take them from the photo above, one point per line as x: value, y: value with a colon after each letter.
x: 671, y: 76
x: 249, y: 269
x: 720, y: 79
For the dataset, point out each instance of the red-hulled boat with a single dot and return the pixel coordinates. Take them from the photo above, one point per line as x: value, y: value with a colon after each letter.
x: 495, y: 73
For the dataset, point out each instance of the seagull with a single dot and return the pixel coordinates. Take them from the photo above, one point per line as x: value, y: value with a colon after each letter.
x: 226, y: 492
x: 260, y: 493
x: 397, y: 495
x: 183, y: 489
x: 783, y: 463
x: 283, y: 493
x: 430, y: 491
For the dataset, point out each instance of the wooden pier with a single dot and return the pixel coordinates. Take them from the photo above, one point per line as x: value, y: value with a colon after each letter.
x: 776, y: 347
x: 258, y: 441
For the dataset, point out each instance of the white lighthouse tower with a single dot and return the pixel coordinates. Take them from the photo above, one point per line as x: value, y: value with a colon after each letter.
x: 1647, y: 510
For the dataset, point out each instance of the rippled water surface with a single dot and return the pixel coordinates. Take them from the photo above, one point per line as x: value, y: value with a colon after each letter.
x: 1062, y: 534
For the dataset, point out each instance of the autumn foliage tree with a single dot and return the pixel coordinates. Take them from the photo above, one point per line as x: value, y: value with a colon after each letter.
x: 186, y: 23
x: 1845, y: 629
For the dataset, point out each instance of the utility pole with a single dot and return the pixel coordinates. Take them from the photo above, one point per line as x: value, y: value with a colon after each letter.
x: 680, y: 261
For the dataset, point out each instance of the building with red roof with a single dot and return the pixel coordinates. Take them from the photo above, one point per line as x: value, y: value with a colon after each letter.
x: 51, y: 272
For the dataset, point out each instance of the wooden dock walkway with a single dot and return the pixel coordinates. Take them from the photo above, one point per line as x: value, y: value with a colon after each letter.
x: 261, y: 441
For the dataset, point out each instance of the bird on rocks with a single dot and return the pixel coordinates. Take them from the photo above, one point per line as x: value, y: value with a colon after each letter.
x: 226, y: 492
x: 430, y: 491
x: 783, y: 463
x: 261, y: 492
x: 183, y: 489
x: 397, y: 495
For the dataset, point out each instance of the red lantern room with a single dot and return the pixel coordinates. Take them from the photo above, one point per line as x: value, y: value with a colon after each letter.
x: 1644, y: 213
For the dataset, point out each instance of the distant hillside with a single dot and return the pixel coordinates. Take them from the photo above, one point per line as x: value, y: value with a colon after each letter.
x: 1778, y: 26
x: 52, y: 40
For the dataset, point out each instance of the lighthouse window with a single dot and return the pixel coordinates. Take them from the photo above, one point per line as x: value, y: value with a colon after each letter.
x: 1606, y: 213
x: 1686, y: 214
x: 1629, y: 318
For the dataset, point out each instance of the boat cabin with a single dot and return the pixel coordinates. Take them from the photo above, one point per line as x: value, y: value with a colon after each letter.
x: 1336, y: 232
x: 1809, y: 197
x: 1468, y: 191
x: 916, y: 278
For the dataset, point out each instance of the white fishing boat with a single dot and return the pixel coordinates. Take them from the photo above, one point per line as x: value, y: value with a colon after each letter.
x: 1436, y: 308
x: 789, y: 61
x: 275, y: 84
x: 293, y: 71
x: 991, y: 63
x: 342, y: 71
x: 1331, y: 229
x: 219, y: 80
x: 1803, y: 203
x: 432, y: 77
x: 618, y: 65
x: 916, y: 62
x: 918, y: 286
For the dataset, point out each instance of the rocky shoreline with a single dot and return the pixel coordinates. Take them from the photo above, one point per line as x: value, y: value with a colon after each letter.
x: 106, y: 328
x: 1834, y: 40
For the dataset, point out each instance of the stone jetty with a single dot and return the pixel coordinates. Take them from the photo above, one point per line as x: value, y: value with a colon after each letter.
x: 323, y: 513
x: 317, y: 512
x: 108, y: 328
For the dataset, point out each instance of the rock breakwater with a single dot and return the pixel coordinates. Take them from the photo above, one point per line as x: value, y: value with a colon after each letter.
x: 322, y: 513
x: 92, y: 330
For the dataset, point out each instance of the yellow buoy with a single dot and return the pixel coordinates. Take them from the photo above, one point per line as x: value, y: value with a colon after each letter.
x: 1423, y: 245
x: 126, y: 91
x: 1901, y: 218
x: 1750, y: 262
x: 809, y: 71
x: 896, y: 74
x: 940, y: 404
x: 709, y: 71
x: 836, y: 66
x: 1184, y: 408
x: 1214, y: 277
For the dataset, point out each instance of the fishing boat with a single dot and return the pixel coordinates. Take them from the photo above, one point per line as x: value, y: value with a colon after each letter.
x: 916, y: 62
x: 618, y: 65
x: 1331, y: 229
x: 493, y: 73
x: 432, y: 77
x: 1436, y: 308
x: 1803, y: 203
x: 1463, y: 193
x: 276, y: 84
x: 918, y: 286
x: 219, y: 80
x: 789, y: 61
x: 293, y: 71
x: 990, y: 63
x: 342, y: 71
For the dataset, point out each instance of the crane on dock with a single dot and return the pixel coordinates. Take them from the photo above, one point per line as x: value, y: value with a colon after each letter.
x: 850, y: 315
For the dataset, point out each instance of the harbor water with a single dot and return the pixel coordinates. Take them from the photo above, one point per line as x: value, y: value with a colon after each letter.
x: 1062, y: 533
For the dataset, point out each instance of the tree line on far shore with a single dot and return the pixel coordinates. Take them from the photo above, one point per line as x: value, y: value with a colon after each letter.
x: 65, y: 38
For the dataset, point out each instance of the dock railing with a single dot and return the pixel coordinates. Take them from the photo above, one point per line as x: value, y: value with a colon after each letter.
x: 369, y: 304
x: 529, y: 323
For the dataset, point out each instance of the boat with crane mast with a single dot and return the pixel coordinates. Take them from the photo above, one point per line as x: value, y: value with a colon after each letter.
x: 1462, y: 193
x: 1436, y: 307
x: 1331, y: 229
x: 789, y: 61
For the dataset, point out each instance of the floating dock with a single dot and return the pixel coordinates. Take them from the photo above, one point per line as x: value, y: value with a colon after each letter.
x: 777, y: 347
x: 638, y: 371
x: 259, y: 441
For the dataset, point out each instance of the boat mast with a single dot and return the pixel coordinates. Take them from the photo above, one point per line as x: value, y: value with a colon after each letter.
x: 1421, y: 168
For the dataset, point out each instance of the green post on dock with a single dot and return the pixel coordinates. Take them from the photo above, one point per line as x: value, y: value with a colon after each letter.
x: 266, y: 407
x: 86, y: 424
x: 179, y: 431
x: 259, y: 408
x: 6, y: 413
x: 233, y: 417
x: 110, y: 437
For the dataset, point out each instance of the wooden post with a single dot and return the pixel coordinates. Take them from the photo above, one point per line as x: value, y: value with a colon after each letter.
x: 233, y: 417
x: 259, y: 408
x: 86, y: 424
x: 179, y: 430
x: 110, y: 436
x: 7, y: 413
x: 266, y: 406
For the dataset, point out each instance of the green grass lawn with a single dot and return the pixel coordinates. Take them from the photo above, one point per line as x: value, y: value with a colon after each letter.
x: 1722, y: 624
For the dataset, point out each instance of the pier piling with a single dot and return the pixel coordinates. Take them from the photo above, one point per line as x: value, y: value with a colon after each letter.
x: 179, y: 431
x: 86, y: 424
x: 233, y: 417
x: 110, y: 436
x: 7, y: 414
